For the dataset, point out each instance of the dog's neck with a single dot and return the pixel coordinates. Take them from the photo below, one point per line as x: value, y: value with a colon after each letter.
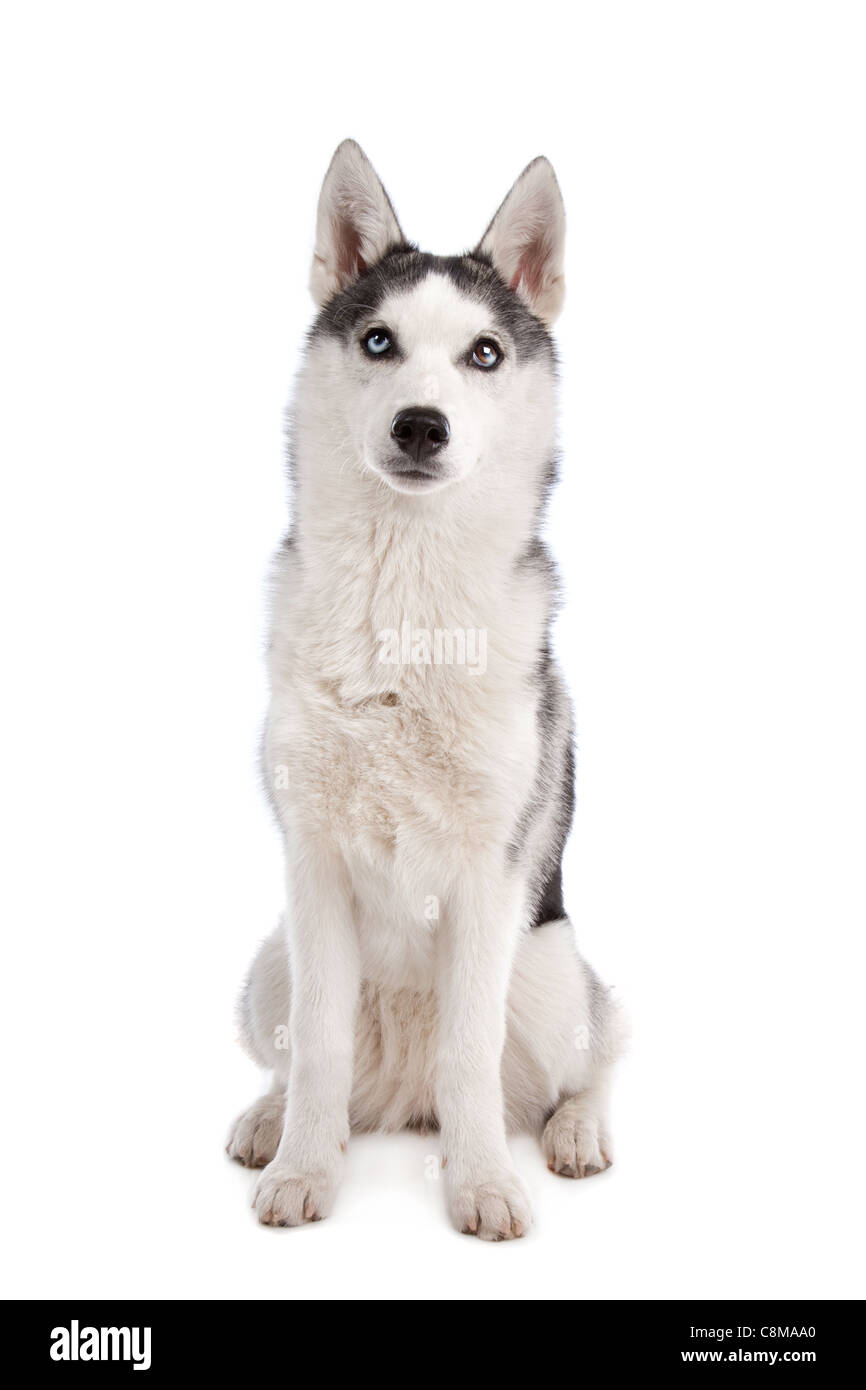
x: 453, y: 562
x: 444, y: 554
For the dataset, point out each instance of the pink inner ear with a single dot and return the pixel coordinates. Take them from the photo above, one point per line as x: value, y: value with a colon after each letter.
x: 350, y: 261
x: 530, y: 269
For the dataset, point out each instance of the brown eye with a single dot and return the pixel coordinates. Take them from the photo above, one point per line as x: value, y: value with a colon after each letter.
x: 485, y: 353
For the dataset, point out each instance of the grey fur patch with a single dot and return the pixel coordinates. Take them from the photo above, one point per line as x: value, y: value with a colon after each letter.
x: 545, y: 822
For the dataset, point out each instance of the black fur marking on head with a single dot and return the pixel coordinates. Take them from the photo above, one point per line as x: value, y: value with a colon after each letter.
x: 404, y: 267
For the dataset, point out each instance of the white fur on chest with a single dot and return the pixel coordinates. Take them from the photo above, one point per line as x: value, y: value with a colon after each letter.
x: 406, y: 767
x: 406, y: 782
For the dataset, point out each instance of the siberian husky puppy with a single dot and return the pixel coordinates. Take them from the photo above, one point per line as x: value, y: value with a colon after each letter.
x: 418, y: 746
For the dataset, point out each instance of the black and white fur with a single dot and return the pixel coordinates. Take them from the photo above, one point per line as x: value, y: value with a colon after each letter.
x: 425, y: 973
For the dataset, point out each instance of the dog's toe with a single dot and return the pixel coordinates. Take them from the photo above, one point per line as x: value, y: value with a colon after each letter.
x: 286, y: 1198
x: 256, y: 1133
x: 494, y: 1209
x: 572, y: 1145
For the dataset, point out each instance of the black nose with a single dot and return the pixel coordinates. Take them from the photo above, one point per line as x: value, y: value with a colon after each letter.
x: 420, y: 432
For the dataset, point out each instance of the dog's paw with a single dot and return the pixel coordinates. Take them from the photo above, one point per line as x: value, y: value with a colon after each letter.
x: 256, y: 1133
x: 572, y: 1145
x: 286, y: 1197
x: 495, y: 1208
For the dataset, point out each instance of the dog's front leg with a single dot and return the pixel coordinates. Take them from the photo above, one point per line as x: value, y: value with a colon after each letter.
x: 301, y: 1182
x: 477, y: 943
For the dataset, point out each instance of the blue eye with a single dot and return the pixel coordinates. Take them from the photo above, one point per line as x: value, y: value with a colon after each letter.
x: 377, y: 342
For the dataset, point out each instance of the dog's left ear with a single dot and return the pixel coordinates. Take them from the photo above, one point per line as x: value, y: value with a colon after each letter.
x: 355, y: 225
x: 526, y: 240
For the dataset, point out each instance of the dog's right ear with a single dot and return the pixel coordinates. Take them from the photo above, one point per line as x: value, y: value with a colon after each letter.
x: 355, y: 225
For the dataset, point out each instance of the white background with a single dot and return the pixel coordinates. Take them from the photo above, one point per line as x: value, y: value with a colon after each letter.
x: 160, y: 168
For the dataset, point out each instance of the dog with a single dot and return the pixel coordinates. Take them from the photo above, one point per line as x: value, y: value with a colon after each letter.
x: 425, y: 973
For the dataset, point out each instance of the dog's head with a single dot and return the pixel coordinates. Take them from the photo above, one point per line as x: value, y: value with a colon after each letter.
x: 431, y: 367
